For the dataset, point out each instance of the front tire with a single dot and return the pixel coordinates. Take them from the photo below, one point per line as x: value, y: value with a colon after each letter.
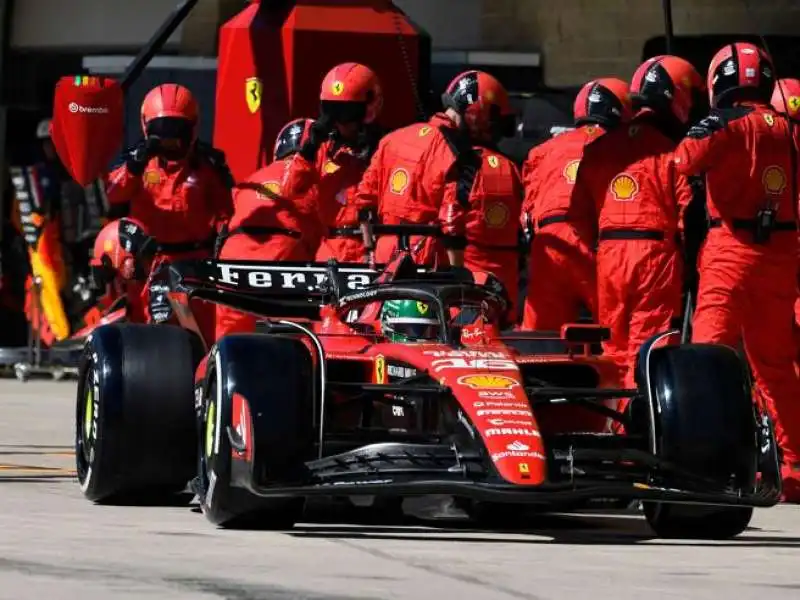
x: 268, y: 380
x: 704, y: 421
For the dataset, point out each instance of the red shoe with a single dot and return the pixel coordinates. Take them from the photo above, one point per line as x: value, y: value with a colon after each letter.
x: 790, y: 474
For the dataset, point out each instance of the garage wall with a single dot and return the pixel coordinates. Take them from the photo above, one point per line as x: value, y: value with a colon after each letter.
x: 581, y: 39
x: 87, y: 24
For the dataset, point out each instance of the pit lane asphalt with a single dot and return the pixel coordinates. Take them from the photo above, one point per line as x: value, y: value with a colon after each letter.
x: 54, y: 544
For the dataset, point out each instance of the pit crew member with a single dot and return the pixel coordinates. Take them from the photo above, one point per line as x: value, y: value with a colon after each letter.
x: 639, y: 260
x: 121, y: 261
x: 748, y: 264
x: 561, y: 265
x: 337, y: 152
x: 416, y: 167
x: 267, y: 223
x: 177, y: 187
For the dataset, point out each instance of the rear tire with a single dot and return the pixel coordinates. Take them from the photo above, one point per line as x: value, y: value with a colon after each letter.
x: 705, y: 423
x: 135, y: 433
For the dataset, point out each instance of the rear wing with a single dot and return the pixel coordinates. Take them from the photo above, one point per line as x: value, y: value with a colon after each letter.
x: 300, y: 281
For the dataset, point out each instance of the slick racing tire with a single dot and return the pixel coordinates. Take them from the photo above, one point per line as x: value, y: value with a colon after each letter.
x: 704, y: 422
x: 135, y: 432
x: 693, y: 522
x: 258, y: 389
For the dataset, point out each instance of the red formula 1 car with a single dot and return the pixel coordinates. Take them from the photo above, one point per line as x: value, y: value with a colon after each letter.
x: 321, y: 403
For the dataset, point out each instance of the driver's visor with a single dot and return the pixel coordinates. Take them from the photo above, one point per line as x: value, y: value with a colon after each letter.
x: 414, y: 328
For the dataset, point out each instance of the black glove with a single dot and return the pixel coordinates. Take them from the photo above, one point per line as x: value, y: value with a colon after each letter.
x: 136, y: 158
x: 319, y: 133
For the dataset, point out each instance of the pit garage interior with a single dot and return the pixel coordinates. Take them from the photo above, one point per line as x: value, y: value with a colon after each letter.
x: 536, y: 48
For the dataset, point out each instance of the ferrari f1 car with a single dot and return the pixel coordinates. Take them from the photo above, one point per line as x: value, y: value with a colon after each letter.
x: 319, y: 402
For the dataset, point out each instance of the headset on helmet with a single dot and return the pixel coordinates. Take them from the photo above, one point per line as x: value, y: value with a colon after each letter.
x: 605, y: 102
x: 667, y: 84
x: 351, y: 93
x: 122, y: 249
x: 483, y: 104
x: 291, y: 138
x: 786, y: 97
x: 170, y: 112
x: 740, y: 71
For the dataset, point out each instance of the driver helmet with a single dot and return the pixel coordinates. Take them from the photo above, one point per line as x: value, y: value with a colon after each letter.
x: 409, y: 321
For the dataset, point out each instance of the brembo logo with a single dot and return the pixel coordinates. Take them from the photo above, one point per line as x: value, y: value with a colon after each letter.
x: 74, y: 107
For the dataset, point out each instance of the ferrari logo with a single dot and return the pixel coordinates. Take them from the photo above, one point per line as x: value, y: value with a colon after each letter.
x: 493, y: 162
x: 253, y: 88
x: 337, y: 89
x: 424, y: 130
x: 152, y: 177
x: 380, y: 369
x: 774, y: 180
x: 769, y: 119
x: 330, y: 167
x: 422, y: 308
x: 524, y: 469
x: 794, y: 104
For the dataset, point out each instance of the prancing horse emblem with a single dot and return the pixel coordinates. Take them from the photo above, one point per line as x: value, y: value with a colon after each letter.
x: 253, y: 87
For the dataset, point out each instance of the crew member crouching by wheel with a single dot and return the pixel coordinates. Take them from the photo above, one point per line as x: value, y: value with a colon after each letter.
x: 268, y: 224
x: 121, y: 261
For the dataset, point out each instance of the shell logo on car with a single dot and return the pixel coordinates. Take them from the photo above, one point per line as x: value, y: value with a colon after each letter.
x: 624, y: 187
x: 488, y: 382
x: 398, y: 182
x: 571, y: 170
x: 774, y: 180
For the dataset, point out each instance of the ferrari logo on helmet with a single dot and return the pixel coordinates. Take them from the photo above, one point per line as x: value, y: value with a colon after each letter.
x: 493, y: 162
x: 571, y: 170
x: 253, y: 89
x: 398, y: 181
x: 330, y: 167
x: 793, y: 103
x: 496, y: 215
x: 380, y: 369
x: 769, y: 119
x: 337, y: 88
x: 524, y: 469
x: 424, y: 130
x: 273, y: 188
x: 774, y: 180
x: 624, y: 187
x: 422, y: 308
